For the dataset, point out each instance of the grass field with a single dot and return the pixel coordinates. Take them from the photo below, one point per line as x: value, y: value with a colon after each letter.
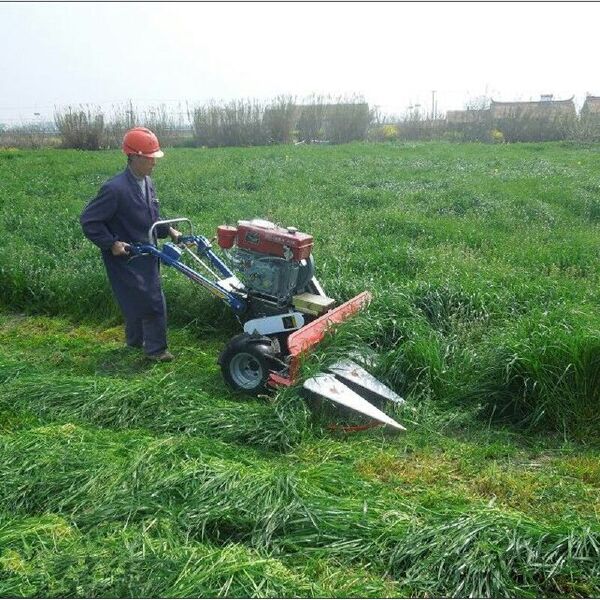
x: 121, y: 478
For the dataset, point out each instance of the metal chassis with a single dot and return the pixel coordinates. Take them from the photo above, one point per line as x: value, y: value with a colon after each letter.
x: 299, y: 341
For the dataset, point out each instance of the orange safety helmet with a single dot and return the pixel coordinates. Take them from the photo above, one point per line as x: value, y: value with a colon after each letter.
x: 142, y: 142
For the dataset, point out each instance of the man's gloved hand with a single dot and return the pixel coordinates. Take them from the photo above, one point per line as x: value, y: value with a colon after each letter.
x: 175, y: 235
x: 120, y: 249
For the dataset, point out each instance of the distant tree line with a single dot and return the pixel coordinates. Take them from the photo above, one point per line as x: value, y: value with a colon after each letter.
x: 237, y: 123
x: 284, y: 120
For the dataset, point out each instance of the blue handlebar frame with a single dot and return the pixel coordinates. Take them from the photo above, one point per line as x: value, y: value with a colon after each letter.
x: 172, y: 255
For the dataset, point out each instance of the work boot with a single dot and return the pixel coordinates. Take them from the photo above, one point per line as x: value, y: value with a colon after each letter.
x: 164, y: 356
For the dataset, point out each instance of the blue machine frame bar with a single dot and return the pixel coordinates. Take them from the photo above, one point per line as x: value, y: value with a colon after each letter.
x: 171, y: 258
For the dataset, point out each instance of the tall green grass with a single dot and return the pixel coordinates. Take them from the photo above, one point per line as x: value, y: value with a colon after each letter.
x: 490, y: 555
x: 480, y: 242
x: 120, y: 478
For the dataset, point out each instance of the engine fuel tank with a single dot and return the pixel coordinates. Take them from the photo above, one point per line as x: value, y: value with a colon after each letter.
x: 265, y: 237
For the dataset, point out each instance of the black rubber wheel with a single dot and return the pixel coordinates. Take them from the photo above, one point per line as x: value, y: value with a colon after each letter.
x: 246, y: 362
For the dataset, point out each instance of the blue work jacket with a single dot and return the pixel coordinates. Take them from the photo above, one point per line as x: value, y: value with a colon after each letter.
x: 121, y: 213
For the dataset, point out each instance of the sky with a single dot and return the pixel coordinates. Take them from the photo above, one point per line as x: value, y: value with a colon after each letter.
x: 394, y: 55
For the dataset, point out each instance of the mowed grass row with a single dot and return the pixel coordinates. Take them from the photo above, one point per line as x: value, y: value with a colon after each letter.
x: 57, y: 370
x: 94, y: 478
x: 450, y: 513
x: 50, y: 557
x: 56, y: 373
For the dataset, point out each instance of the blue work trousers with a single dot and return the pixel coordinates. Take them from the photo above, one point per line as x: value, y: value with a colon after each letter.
x: 136, y: 285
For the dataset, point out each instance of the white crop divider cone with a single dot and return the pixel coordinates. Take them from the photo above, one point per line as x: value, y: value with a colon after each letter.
x: 333, y: 386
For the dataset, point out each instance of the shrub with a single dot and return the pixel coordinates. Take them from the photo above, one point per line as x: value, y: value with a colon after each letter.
x: 122, y: 118
x: 168, y: 129
x: 423, y: 129
x: 27, y: 137
x: 390, y: 132
x: 279, y: 119
x: 81, y: 129
x: 347, y: 121
x: 383, y: 133
x: 238, y: 123
x: 586, y: 129
x: 522, y: 127
x: 311, y: 119
x: 496, y: 136
x: 163, y: 123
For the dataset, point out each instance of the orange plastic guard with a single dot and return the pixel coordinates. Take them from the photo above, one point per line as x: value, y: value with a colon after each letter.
x: 310, y: 335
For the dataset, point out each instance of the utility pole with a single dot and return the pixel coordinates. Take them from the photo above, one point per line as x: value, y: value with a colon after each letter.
x: 433, y: 107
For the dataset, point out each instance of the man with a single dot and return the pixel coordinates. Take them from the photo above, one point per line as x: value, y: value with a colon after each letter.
x: 121, y: 214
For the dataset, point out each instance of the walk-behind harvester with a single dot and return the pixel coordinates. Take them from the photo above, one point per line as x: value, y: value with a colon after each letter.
x: 268, y: 280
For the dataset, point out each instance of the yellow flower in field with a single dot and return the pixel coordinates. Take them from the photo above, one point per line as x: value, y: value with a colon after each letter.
x: 62, y: 530
x: 496, y: 136
x: 13, y: 562
x: 390, y: 132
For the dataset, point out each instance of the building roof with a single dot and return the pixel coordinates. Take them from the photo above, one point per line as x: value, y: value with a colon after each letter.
x: 591, y: 105
x: 535, y: 108
x: 518, y: 103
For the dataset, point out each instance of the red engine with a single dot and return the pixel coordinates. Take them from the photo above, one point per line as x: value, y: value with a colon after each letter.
x: 267, y: 238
